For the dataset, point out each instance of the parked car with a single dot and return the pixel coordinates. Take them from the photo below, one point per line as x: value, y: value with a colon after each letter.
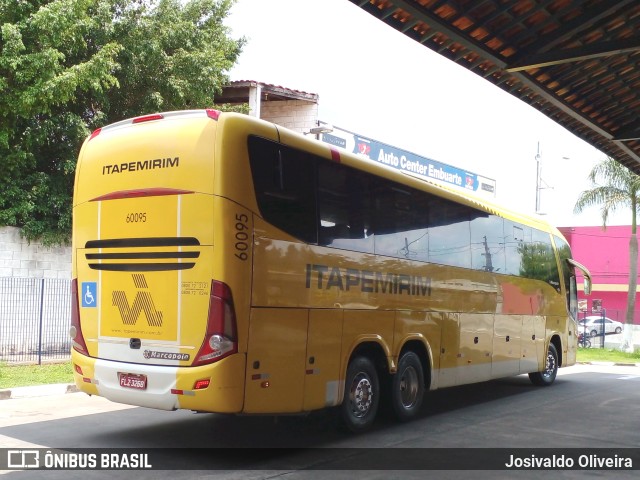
x: 593, y: 325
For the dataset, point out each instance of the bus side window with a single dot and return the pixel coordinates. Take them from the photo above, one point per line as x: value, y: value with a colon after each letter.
x: 400, y: 221
x: 344, y: 208
x: 449, y: 233
x: 517, y: 239
x: 568, y: 274
x: 545, y: 258
x: 284, y: 183
x: 487, y: 242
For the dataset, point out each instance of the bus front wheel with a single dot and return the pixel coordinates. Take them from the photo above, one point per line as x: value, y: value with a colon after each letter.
x: 407, y: 389
x: 361, y: 395
x: 548, y: 375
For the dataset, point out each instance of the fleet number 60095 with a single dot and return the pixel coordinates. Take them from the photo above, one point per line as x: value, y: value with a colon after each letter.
x: 136, y: 217
x: 242, y: 236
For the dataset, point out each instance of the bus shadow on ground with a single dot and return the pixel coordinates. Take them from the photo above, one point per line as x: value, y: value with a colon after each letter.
x: 317, y: 429
x: 227, y: 442
x: 148, y: 428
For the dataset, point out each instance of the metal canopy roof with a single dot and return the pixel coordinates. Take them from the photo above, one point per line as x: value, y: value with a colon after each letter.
x: 575, y: 61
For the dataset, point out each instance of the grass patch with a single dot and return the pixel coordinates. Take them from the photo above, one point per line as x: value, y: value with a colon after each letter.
x: 27, y: 375
x: 607, y: 355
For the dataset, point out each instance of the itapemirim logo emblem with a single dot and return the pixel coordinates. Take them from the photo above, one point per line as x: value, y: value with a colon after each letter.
x: 143, y: 302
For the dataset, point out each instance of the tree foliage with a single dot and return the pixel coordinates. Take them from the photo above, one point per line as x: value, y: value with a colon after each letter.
x: 70, y: 66
x: 615, y: 186
x: 538, y: 261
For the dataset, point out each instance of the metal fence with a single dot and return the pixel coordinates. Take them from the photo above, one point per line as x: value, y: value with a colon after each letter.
x: 600, y: 328
x: 35, y: 315
x: 34, y: 319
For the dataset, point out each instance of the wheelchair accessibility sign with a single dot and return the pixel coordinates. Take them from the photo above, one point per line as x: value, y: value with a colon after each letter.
x: 89, y: 294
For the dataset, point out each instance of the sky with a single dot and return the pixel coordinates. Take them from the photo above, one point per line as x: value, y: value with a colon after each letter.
x: 376, y: 82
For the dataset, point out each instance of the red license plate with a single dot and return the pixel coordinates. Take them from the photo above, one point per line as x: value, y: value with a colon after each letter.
x: 132, y: 380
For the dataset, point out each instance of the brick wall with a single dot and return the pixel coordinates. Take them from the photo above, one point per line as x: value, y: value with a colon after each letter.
x: 295, y: 115
x: 19, y: 258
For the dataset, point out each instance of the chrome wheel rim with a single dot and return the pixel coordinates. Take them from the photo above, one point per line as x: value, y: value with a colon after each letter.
x: 551, y: 365
x: 361, y: 395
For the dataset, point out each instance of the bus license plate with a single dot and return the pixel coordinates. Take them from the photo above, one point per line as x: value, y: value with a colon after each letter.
x: 131, y: 380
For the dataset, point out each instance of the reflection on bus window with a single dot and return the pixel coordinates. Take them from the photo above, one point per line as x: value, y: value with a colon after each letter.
x: 487, y: 243
x: 336, y: 206
x: 449, y: 234
x: 344, y: 208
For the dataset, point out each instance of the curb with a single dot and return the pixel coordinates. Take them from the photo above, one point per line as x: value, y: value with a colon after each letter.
x: 38, y: 391
x: 610, y: 364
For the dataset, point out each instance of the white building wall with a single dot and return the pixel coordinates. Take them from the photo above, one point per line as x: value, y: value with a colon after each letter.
x: 19, y: 258
x: 296, y: 115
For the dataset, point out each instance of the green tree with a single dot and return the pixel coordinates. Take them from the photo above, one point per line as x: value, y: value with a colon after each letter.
x: 70, y: 66
x: 615, y: 186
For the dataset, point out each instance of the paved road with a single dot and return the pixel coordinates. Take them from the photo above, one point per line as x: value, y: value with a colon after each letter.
x: 587, y: 407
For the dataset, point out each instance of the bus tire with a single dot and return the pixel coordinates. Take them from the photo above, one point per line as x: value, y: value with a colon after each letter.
x: 407, y: 387
x: 548, y: 375
x: 361, y: 395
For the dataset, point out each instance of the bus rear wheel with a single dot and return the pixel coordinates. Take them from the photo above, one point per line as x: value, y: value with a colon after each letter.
x: 548, y: 375
x: 407, y: 388
x: 361, y: 395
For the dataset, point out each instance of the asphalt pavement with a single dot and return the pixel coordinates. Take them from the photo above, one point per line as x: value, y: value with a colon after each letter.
x: 588, y: 413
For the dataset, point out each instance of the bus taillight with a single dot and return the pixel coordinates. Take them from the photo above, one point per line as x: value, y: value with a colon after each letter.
x: 75, y: 331
x: 213, y: 114
x: 220, y: 340
x: 95, y: 133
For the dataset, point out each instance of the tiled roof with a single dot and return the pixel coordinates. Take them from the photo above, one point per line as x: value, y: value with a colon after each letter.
x: 576, y: 61
x: 237, y: 91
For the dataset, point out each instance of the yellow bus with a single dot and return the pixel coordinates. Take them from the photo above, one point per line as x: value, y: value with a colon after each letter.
x: 225, y: 264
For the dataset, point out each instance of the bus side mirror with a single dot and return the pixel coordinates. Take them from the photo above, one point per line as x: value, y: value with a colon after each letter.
x: 585, y: 274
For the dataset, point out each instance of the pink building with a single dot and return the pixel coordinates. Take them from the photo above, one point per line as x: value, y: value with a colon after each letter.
x: 606, y: 254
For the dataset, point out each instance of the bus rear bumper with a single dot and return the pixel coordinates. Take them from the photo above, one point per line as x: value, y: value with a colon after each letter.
x: 167, y: 387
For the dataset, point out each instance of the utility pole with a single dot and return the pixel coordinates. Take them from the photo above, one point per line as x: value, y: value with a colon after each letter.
x: 488, y: 264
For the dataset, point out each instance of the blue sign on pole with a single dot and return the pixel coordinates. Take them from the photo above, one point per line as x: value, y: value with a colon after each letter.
x: 412, y: 163
x: 89, y: 294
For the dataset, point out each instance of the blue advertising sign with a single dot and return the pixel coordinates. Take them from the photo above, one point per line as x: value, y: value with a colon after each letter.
x: 409, y: 162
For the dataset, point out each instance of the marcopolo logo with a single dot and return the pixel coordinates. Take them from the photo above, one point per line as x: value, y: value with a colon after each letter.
x: 143, y: 302
x: 151, y: 354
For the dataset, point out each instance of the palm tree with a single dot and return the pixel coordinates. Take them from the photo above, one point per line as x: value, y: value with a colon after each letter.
x: 620, y: 188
